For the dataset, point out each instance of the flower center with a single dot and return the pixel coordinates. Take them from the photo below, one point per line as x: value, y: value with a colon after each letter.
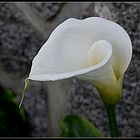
x: 97, y: 52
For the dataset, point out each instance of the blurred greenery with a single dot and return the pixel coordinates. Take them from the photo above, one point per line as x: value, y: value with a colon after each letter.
x: 78, y: 126
x: 13, y: 121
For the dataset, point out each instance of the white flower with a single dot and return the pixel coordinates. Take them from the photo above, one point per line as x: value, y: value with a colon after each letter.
x: 93, y: 49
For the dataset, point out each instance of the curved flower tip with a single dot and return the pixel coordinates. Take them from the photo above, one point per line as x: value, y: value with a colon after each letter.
x: 93, y: 49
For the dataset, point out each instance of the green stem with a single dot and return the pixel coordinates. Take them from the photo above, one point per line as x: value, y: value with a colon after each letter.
x: 112, y: 120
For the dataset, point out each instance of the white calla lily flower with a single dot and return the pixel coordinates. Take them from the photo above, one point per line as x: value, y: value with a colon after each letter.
x: 93, y: 49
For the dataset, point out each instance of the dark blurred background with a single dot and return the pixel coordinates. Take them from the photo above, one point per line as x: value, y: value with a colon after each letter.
x: 24, y: 28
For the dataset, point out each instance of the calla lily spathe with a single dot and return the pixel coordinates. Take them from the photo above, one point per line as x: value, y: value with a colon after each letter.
x: 93, y: 49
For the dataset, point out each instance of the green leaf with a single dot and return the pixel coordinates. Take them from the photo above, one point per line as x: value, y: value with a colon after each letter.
x: 78, y: 126
x: 13, y: 121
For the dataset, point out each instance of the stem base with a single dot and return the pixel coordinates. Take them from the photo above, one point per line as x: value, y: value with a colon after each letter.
x: 110, y: 109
